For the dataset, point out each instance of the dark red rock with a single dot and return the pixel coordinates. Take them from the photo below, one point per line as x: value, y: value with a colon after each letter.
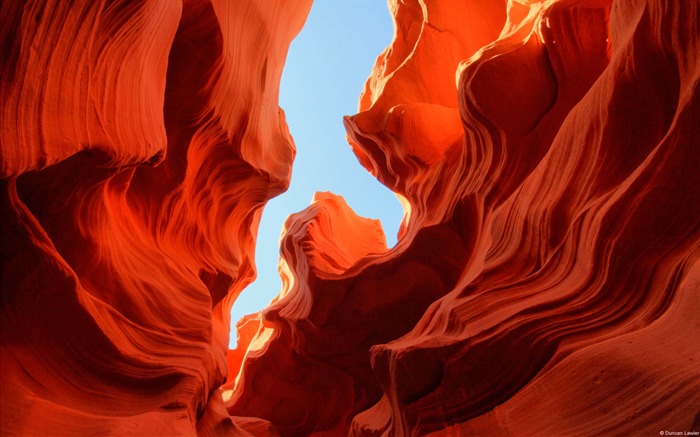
x: 546, y: 280
x: 136, y: 157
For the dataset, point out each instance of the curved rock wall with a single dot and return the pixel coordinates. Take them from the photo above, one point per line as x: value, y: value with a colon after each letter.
x: 546, y: 280
x: 546, y: 156
x: 140, y: 141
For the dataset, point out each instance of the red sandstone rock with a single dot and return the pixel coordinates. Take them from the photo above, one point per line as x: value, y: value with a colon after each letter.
x: 136, y: 156
x: 546, y: 279
x: 558, y: 181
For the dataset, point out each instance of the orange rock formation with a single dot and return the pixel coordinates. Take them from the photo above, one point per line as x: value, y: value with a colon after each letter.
x: 546, y: 280
x: 137, y: 155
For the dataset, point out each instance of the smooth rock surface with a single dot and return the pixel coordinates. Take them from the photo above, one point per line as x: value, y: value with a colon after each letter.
x: 546, y: 279
x: 136, y: 157
x: 545, y: 153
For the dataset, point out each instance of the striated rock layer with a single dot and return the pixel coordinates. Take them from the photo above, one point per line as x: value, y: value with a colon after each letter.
x: 546, y: 280
x: 547, y: 276
x: 140, y: 141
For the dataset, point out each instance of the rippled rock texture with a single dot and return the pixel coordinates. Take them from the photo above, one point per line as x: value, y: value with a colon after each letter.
x: 546, y: 280
x: 547, y: 276
x: 140, y: 141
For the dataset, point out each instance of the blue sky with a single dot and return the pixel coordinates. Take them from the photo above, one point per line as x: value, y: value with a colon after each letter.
x: 327, y: 66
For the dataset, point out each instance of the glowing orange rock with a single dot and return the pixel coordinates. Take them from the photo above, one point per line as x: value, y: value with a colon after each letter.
x: 546, y: 277
x: 314, y: 340
x: 136, y: 156
x: 550, y: 241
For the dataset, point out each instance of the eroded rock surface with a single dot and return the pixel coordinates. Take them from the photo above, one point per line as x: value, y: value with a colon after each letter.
x: 137, y: 155
x: 546, y: 280
x: 545, y: 153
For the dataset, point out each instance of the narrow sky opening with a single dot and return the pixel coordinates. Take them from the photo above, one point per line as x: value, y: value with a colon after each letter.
x: 327, y: 66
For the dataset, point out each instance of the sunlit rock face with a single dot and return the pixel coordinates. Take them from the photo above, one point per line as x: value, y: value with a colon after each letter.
x: 546, y: 280
x: 140, y: 141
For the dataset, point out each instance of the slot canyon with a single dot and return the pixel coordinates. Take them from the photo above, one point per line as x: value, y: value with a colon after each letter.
x: 546, y: 277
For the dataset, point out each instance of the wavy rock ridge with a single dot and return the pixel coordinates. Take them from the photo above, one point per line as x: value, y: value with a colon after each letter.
x: 136, y: 158
x: 546, y: 280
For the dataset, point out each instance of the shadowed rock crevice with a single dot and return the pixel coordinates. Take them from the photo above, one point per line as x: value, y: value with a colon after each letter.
x: 546, y: 277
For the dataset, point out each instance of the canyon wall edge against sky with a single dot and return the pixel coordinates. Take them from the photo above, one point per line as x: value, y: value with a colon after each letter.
x: 546, y: 277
